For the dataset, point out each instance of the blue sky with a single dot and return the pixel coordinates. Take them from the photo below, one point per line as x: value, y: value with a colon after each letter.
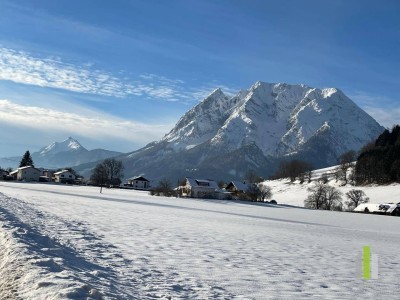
x: 119, y: 74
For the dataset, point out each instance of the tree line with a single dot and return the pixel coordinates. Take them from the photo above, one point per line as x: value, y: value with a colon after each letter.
x: 379, y: 161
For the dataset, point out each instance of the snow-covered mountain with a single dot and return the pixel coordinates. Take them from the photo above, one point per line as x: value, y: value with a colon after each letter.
x: 67, y: 153
x: 69, y: 145
x: 223, y: 136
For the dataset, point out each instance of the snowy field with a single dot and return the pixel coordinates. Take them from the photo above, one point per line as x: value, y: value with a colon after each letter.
x: 71, y: 242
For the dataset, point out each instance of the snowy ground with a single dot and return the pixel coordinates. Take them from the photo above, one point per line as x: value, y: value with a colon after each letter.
x: 71, y: 242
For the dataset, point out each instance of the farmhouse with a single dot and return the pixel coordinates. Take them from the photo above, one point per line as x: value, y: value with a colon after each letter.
x: 237, y: 187
x: 138, y: 182
x: 27, y: 173
x: 64, y: 176
x: 382, y: 208
x: 201, y: 188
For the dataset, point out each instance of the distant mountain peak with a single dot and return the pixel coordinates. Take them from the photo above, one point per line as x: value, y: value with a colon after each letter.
x: 70, y: 144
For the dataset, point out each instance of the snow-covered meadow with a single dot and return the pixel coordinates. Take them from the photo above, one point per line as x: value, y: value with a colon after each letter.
x: 71, y: 242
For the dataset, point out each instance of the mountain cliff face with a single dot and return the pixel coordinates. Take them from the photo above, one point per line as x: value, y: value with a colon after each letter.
x: 222, y: 137
x: 67, y: 153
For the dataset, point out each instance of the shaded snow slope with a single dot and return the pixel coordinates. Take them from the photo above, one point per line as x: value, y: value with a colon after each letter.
x: 71, y: 242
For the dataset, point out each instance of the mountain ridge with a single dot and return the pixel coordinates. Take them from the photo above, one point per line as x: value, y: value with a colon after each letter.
x: 223, y: 137
x: 68, y: 153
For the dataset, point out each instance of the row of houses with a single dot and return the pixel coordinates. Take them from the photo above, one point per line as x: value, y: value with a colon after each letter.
x: 195, y: 188
x: 30, y: 173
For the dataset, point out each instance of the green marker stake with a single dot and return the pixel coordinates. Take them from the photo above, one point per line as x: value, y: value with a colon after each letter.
x: 366, y: 262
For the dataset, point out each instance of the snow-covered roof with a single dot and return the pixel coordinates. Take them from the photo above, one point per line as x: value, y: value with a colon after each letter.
x: 206, y: 183
x: 139, y: 178
x: 240, y: 186
x: 379, y: 208
x: 26, y: 167
x: 62, y: 172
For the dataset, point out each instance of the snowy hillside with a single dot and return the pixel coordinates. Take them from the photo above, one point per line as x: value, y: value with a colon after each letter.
x: 225, y: 136
x: 286, y: 192
x: 69, y: 242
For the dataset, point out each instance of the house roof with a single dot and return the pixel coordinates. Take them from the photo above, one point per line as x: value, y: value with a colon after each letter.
x: 61, y: 172
x: 206, y: 183
x: 24, y: 168
x: 240, y: 186
x: 373, y: 207
x: 138, y: 178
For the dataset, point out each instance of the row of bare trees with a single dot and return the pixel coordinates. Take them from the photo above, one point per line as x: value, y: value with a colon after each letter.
x: 294, y: 169
x: 323, y: 196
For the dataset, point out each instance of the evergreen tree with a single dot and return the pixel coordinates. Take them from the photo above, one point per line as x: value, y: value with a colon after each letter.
x: 26, y: 160
x: 378, y: 162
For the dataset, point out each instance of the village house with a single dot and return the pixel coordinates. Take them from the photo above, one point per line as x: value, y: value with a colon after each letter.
x: 47, y: 175
x: 237, y: 187
x: 4, y: 174
x: 201, y: 188
x: 64, y: 176
x: 379, y: 208
x: 138, y: 182
x: 27, y: 173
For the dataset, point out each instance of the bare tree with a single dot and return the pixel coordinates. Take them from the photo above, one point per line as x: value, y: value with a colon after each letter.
x: 253, y: 192
x: 333, y: 198
x: 309, y: 175
x: 316, y: 199
x: 99, y: 176
x: 108, y: 172
x: 265, y: 191
x: 114, y: 169
x: 356, y: 197
x: 346, y: 162
x: 164, y: 188
x: 324, y: 196
x: 324, y: 178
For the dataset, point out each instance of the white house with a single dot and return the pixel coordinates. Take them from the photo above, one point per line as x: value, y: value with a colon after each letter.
x: 138, y: 182
x: 237, y: 187
x: 381, y: 208
x: 27, y: 173
x: 64, y: 176
x: 201, y: 188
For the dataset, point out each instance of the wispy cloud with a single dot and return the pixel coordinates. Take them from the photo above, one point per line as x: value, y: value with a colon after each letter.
x: 101, y: 126
x: 22, y: 67
x: 385, y: 117
x: 383, y: 109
